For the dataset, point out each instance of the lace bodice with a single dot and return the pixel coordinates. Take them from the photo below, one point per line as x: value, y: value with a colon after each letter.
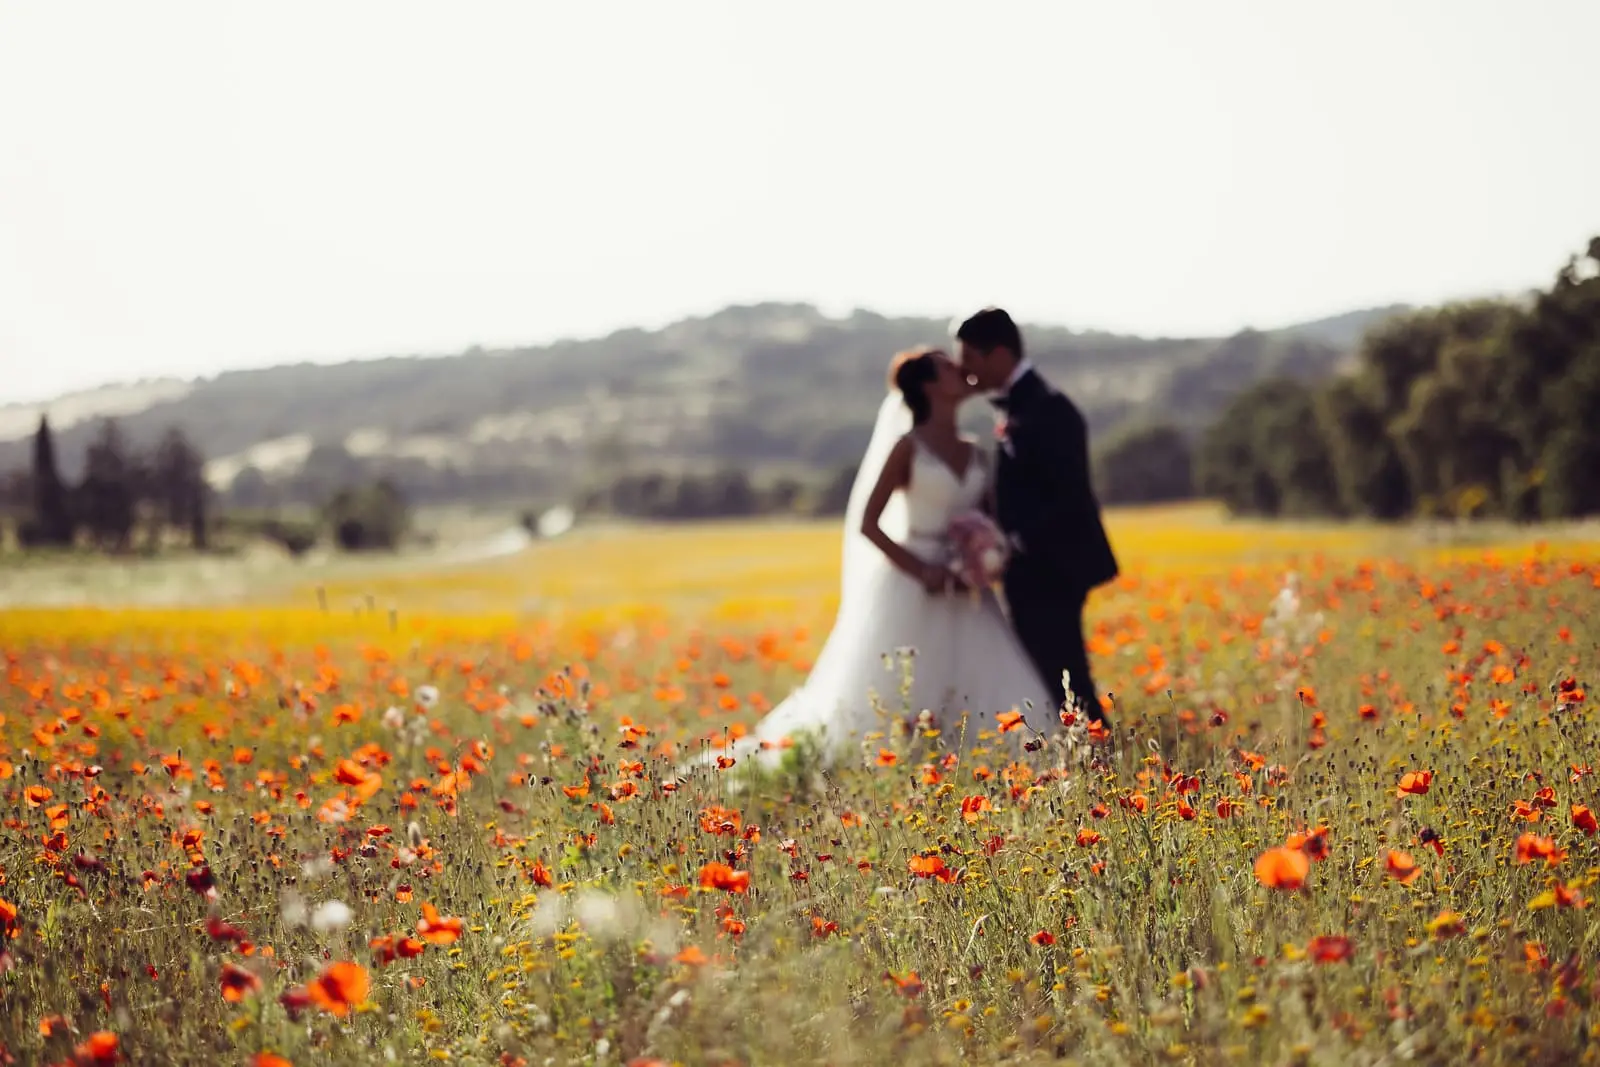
x: 938, y: 494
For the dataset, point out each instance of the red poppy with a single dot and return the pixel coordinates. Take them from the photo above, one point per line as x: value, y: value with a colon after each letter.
x: 238, y: 983
x: 1330, y: 948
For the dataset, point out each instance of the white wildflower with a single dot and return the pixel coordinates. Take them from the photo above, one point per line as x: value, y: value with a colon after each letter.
x: 331, y: 915
x: 598, y: 913
x: 293, y: 910
x: 549, y: 914
x: 317, y: 868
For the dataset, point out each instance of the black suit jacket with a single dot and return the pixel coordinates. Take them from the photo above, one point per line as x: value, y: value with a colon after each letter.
x: 1044, y: 495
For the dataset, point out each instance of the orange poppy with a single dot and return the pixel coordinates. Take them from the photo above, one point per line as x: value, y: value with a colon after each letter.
x: 718, y: 820
x: 101, y: 1048
x: 1314, y: 843
x: 436, y: 930
x: 1532, y: 847
x: 339, y: 988
x: 1401, y: 867
x: 1415, y: 783
x: 1282, y: 868
x: 721, y: 876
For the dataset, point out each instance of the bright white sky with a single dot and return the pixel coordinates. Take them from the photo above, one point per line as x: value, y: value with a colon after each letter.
x: 190, y: 187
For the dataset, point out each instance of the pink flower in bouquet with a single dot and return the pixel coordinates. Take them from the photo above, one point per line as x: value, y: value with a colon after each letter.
x: 980, y: 549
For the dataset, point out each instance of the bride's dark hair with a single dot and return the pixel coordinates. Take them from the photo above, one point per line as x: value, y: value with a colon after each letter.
x: 911, y: 372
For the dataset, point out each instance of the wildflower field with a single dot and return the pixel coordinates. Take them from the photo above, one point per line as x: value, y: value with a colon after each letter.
x: 411, y: 813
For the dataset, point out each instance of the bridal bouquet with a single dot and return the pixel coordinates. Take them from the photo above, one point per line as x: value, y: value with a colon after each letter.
x: 980, y: 549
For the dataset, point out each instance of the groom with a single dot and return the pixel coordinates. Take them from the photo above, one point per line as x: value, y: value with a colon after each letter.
x: 1045, y: 503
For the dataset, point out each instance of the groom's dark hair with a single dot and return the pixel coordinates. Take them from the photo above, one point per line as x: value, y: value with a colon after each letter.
x: 990, y: 329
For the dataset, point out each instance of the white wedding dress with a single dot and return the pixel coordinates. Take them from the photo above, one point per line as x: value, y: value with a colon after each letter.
x: 964, y: 657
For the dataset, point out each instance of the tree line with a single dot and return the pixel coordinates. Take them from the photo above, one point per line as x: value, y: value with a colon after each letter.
x: 1475, y: 409
x: 127, y: 498
x: 122, y: 492
x: 726, y: 493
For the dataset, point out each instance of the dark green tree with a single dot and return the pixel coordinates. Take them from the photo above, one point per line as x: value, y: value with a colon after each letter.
x: 1558, y: 331
x: 52, y: 510
x: 1569, y: 481
x: 372, y: 517
x: 1267, y: 455
x: 1145, y: 465
x: 178, y: 485
x: 1367, y: 468
x: 1227, y: 467
x: 1453, y: 431
x: 108, y: 495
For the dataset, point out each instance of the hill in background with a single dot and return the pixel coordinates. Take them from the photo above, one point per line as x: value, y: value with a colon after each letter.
x: 771, y: 389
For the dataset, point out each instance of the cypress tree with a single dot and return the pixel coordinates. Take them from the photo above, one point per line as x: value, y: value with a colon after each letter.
x: 50, y: 509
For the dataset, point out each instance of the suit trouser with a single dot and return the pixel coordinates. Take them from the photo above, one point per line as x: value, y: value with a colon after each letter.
x: 1048, y: 617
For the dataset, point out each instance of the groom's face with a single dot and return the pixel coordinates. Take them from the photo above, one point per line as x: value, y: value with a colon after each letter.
x: 980, y: 367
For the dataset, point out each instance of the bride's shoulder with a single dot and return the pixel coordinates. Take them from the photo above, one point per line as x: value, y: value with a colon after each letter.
x: 909, y: 442
x: 904, y: 450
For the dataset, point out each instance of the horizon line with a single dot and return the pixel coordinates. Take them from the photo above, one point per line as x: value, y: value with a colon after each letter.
x: 498, y: 346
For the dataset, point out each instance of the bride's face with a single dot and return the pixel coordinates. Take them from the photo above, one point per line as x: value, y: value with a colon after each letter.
x: 950, y: 383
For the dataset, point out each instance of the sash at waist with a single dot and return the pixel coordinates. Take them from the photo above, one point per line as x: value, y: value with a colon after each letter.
x: 931, y: 545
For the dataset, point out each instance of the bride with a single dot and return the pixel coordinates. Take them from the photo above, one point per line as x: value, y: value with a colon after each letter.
x: 898, y: 596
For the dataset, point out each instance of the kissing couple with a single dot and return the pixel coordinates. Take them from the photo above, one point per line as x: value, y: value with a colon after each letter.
x: 920, y: 484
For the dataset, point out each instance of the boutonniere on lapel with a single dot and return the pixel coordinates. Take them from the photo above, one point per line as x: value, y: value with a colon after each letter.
x: 1002, y: 433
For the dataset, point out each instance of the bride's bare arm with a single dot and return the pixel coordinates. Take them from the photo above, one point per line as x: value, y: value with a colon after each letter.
x: 895, y: 476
